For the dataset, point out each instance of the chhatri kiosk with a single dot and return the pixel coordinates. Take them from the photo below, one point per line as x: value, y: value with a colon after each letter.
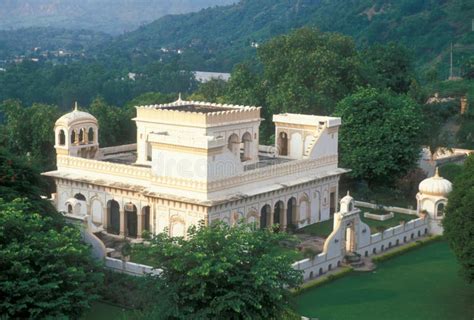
x: 197, y: 161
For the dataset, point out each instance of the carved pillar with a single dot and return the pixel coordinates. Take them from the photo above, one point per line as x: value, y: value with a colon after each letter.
x: 297, y: 215
x: 140, y: 223
x: 105, y: 218
x: 76, y: 137
x: 122, y: 223
x: 283, y: 217
x: 270, y: 219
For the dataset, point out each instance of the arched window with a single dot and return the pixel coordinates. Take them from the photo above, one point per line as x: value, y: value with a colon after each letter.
x: 62, y: 138
x: 247, y: 142
x: 73, y: 136
x: 440, y: 210
x: 233, y: 144
x: 90, y: 135
x: 69, y: 208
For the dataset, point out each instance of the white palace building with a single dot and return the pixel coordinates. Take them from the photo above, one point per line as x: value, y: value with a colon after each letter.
x: 197, y: 161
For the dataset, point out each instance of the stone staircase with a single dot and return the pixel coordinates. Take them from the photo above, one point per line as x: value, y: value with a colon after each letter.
x: 354, y: 260
x: 309, y: 148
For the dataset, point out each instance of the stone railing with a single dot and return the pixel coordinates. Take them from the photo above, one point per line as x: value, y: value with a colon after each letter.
x: 104, y: 167
x: 274, y: 171
x: 146, y: 175
x: 379, y: 217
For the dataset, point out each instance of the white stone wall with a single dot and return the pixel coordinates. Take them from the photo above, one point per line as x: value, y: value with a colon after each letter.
x: 379, y: 242
x: 307, y: 195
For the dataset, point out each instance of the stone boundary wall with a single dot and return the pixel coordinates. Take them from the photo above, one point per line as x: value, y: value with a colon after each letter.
x: 387, y: 208
x: 379, y: 242
x: 379, y: 217
x: 131, y: 268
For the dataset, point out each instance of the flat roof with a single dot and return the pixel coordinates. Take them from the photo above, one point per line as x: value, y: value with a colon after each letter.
x: 199, y: 108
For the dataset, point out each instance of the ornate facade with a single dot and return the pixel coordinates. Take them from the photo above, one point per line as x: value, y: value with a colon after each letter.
x: 197, y: 161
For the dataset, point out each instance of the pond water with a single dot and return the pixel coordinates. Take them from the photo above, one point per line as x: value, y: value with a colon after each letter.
x: 421, y: 284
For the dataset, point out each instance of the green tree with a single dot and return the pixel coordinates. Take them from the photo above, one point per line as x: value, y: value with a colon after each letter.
x: 45, y: 270
x: 391, y: 65
x: 20, y: 179
x: 115, y: 124
x: 30, y: 131
x: 212, y: 91
x: 459, y: 221
x: 308, y: 71
x: 469, y: 68
x: 223, y: 272
x: 379, y: 138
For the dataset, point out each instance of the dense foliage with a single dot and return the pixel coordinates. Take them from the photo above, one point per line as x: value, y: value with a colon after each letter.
x: 222, y: 272
x: 45, y: 271
x: 459, y: 220
x: 218, y: 38
x: 379, y: 140
x: 62, y: 85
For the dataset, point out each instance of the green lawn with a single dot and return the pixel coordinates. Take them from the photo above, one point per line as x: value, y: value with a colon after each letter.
x: 324, y: 229
x: 421, y: 284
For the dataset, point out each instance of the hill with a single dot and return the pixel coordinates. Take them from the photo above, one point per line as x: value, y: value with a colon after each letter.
x: 217, y: 38
x: 111, y: 16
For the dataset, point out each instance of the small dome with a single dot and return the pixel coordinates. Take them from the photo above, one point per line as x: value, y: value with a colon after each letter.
x: 435, y: 186
x: 75, y: 116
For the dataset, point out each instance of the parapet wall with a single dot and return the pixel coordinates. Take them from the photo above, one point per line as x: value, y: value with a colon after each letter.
x: 379, y: 242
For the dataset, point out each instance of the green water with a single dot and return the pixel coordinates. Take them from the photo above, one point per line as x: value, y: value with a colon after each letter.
x: 422, y: 284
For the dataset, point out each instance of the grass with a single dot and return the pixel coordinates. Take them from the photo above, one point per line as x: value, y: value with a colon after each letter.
x: 320, y: 229
x: 421, y: 284
x: 324, y: 229
x: 322, y: 280
x: 375, y: 225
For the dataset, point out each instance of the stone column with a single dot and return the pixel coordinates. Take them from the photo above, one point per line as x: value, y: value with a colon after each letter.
x: 105, y: 218
x: 297, y: 215
x: 122, y: 223
x: 283, y: 217
x: 270, y: 223
x: 140, y: 221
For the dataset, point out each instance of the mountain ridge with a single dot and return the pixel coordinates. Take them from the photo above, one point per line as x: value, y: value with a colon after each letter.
x: 110, y: 16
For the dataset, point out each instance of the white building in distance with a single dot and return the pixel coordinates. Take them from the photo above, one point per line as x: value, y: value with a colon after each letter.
x: 197, y: 161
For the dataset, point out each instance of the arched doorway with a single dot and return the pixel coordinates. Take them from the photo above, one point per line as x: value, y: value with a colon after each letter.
x: 291, y: 213
x: 146, y: 218
x: 278, y: 214
x: 131, y: 220
x: 265, y: 216
x: 247, y: 143
x: 113, y: 217
x: 349, y: 237
x: 282, y: 144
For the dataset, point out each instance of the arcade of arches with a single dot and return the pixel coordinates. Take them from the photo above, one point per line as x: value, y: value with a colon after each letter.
x: 127, y: 221
x: 285, y: 215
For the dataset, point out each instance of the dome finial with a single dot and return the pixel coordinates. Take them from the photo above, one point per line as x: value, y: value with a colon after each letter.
x: 75, y: 106
x: 179, y: 97
x: 437, y: 172
x: 348, y: 193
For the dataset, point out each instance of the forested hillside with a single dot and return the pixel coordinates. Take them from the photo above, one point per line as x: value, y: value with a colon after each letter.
x: 111, y: 16
x: 41, y: 41
x: 217, y: 38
